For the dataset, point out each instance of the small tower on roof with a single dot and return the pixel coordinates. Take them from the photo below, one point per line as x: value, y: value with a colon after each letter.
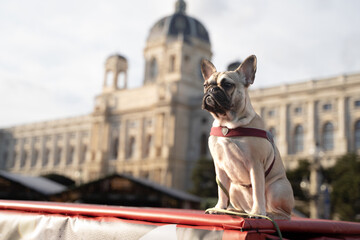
x: 180, y: 6
x: 115, y: 73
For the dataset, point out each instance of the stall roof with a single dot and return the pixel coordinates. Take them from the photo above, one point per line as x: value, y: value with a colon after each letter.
x: 178, y: 194
x: 170, y: 191
x: 41, y: 185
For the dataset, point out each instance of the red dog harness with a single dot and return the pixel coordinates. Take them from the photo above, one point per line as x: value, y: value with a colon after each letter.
x: 245, y: 132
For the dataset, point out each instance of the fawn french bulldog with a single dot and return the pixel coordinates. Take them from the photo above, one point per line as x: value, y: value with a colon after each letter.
x: 247, y: 162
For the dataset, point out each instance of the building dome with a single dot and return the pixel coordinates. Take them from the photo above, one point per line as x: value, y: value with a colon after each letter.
x: 179, y: 24
x: 117, y: 56
x: 233, y: 66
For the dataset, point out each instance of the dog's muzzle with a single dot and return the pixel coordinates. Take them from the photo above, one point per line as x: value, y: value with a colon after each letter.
x: 215, y: 100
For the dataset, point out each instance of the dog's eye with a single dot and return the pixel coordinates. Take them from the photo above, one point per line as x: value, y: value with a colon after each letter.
x: 206, y: 85
x: 227, y: 85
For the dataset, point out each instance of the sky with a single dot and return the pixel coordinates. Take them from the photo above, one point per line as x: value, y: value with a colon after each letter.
x: 52, y: 53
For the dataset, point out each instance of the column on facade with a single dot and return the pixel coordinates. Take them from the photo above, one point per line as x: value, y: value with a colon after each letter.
x: 140, y: 135
x: 64, y: 146
x: 122, y: 140
x: 93, y: 141
x: 310, y: 139
x: 21, y: 152
x: 283, y: 144
x: 34, y: 153
x: 104, y: 148
x: 115, y: 78
x: 41, y: 152
x: 32, y: 145
x: 53, y: 150
x: 78, y: 149
x: 101, y: 141
x: 16, y: 153
x: 159, y: 135
x: 341, y: 141
x: 168, y: 133
x: 125, y: 79
x: 28, y: 149
x: 144, y: 134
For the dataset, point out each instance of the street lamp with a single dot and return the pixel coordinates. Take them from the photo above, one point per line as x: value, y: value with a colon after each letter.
x: 312, y: 188
x: 315, y: 180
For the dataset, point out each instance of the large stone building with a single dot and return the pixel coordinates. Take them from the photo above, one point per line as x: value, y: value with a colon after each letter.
x: 158, y: 131
x: 150, y: 132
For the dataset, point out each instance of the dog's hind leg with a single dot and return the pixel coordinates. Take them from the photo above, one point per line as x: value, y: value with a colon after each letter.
x: 279, y: 199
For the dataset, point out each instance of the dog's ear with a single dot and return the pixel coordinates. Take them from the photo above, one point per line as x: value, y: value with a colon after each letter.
x: 207, y: 68
x: 248, y: 69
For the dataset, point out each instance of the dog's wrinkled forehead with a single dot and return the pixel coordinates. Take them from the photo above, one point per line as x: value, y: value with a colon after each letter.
x: 218, y: 77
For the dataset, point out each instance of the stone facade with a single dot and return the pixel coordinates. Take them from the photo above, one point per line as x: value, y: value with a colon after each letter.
x: 315, y: 116
x: 60, y: 146
x: 158, y: 131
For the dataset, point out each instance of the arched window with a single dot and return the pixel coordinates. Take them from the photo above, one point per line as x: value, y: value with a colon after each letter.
x: 298, y: 139
x: 328, y: 137
x: 153, y: 70
x: 121, y: 80
x: 5, y: 160
x: 148, y: 145
x: 115, y: 148
x: 83, y: 154
x: 131, y: 147
x: 46, y: 157
x: 35, y: 157
x: 357, y: 135
x: 204, y: 144
x: 24, y: 158
x: 58, y: 156
x: 71, y: 155
x: 13, y: 163
x: 109, y: 78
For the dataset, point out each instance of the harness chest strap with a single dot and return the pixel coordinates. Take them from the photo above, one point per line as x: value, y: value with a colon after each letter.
x: 245, y: 132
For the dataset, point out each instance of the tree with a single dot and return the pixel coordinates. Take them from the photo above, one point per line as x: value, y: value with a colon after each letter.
x: 296, y: 176
x: 203, y: 178
x: 344, y: 178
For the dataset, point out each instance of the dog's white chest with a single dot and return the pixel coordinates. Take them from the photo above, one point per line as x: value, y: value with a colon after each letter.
x: 231, y: 158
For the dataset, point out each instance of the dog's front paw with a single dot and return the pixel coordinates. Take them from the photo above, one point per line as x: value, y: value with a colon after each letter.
x: 257, y: 214
x: 218, y: 209
x: 215, y: 211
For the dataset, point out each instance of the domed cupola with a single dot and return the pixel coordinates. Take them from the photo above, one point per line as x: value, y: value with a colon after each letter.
x: 179, y: 24
x: 174, y: 49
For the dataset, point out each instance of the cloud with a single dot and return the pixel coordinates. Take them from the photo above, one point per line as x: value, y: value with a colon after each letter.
x: 294, y: 40
x: 53, y: 52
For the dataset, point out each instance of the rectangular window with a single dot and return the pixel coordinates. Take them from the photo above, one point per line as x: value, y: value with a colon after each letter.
x: 172, y: 63
x: 298, y: 110
x: 327, y: 106
x: 357, y: 104
x: 271, y: 113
